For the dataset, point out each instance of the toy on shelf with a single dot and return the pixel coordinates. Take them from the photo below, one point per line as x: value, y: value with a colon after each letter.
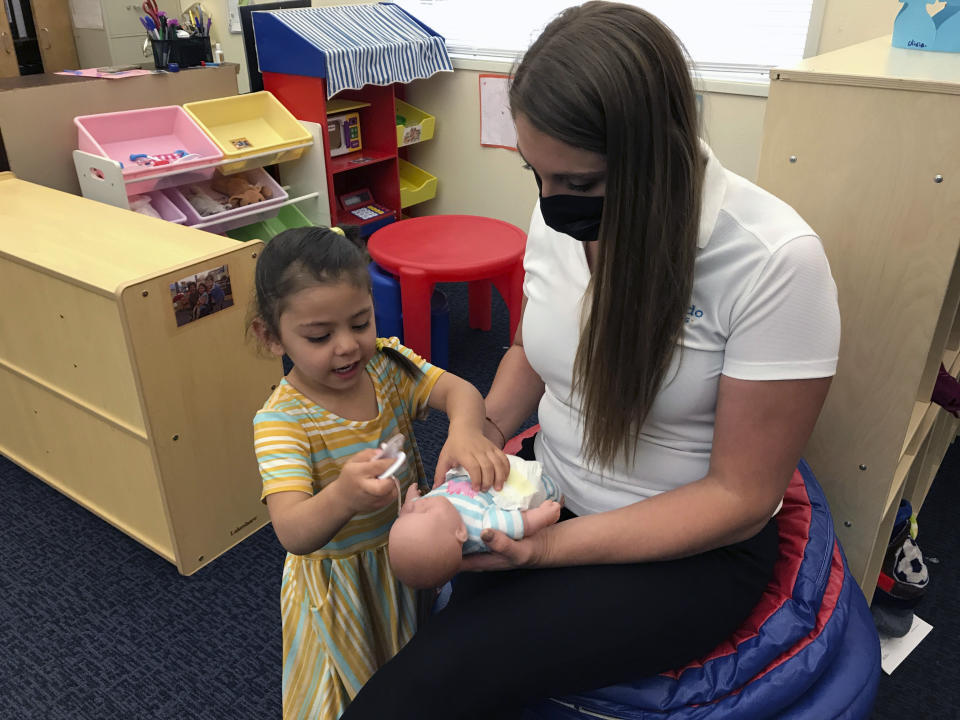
x: 203, y: 201
x: 156, y: 159
x: 343, y: 133
x: 240, y: 191
x: 361, y: 207
x: 142, y: 205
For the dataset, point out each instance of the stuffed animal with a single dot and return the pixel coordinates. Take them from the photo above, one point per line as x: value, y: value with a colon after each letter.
x: 239, y: 190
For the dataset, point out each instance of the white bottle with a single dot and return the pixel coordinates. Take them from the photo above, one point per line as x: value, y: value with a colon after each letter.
x: 217, y: 53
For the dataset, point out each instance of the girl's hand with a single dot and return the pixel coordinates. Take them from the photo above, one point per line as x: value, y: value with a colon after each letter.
x: 484, y: 462
x: 359, y: 485
x: 507, y: 553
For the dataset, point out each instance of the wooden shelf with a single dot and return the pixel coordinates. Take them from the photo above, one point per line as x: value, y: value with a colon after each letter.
x: 337, y: 105
x: 352, y: 161
x: 894, y: 258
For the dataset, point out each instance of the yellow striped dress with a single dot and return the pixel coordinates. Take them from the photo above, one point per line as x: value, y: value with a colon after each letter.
x: 343, y: 612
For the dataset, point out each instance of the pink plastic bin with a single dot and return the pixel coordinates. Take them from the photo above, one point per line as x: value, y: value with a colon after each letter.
x: 156, y: 130
x: 165, y: 207
x: 238, y: 217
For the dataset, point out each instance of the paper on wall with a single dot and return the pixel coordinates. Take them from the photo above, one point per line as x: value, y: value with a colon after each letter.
x: 233, y: 15
x: 496, y: 123
x: 86, y: 14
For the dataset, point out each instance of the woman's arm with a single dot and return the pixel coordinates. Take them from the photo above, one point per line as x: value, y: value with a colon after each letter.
x: 305, y: 523
x: 515, y: 392
x: 760, y: 431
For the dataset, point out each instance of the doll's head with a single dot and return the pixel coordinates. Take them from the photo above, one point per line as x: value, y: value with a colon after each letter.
x: 426, y: 542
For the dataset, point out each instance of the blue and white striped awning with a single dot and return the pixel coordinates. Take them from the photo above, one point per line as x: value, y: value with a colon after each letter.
x: 349, y: 45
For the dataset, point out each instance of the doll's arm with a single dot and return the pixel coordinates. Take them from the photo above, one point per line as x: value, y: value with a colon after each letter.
x: 536, y: 519
x: 412, y: 494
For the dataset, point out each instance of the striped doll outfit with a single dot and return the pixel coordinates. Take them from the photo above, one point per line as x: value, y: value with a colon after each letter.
x: 343, y: 612
x: 487, y: 509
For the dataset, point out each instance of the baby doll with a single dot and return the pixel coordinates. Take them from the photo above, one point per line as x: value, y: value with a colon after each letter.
x: 432, y: 533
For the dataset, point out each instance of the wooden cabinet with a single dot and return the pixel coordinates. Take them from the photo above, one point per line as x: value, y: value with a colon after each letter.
x: 110, y: 395
x: 54, y: 34
x: 863, y: 143
x: 9, y: 67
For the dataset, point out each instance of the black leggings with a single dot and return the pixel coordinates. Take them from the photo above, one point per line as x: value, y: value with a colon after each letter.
x: 507, y: 639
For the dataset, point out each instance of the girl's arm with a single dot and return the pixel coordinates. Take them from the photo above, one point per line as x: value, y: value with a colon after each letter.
x: 760, y: 432
x: 466, y: 444
x: 305, y: 523
x: 516, y: 390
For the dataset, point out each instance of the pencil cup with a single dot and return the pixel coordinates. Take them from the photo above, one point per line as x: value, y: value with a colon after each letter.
x: 161, y: 52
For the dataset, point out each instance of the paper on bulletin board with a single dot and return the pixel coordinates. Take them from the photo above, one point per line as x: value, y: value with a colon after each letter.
x: 496, y: 122
x: 86, y: 14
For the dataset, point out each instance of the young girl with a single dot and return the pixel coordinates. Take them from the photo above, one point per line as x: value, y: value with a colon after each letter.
x: 316, y: 439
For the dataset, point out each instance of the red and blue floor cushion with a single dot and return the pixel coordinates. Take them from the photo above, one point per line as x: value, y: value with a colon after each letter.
x: 809, y: 650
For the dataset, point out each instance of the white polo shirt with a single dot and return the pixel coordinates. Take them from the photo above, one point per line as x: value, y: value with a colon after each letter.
x: 764, y: 307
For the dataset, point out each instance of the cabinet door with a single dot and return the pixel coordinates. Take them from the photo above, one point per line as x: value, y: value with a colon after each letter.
x: 129, y: 51
x: 55, y: 35
x: 9, y: 67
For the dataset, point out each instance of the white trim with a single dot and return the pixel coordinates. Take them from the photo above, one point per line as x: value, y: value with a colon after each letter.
x: 733, y: 83
x: 757, y: 85
x: 463, y: 61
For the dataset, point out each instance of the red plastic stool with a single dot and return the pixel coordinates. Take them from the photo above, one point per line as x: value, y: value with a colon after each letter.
x: 451, y: 248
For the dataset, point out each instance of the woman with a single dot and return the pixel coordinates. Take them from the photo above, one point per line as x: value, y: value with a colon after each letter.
x: 679, y: 333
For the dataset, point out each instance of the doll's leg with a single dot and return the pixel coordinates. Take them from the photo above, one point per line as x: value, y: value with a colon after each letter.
x: 536, y: 519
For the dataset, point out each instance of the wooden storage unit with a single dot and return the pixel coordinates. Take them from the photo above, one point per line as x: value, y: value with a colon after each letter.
x: 145, y: 423
x: 863, y: 143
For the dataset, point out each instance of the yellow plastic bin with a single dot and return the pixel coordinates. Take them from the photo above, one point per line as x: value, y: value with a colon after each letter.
x: 417, y: 126
x: 253, y: 124
x: 416, y: 185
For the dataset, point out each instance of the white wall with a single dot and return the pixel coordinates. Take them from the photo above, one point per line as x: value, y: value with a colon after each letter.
x: 490, y: 181
x: 479, y: 180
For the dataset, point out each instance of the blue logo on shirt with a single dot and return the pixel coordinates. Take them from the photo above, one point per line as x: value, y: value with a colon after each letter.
x: 693, y: 314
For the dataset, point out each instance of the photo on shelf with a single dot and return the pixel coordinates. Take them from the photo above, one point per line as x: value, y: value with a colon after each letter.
x: 201, y: 294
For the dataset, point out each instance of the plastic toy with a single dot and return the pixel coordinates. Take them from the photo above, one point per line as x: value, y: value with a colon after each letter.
x: 361, y: 205
x: 161, y: 158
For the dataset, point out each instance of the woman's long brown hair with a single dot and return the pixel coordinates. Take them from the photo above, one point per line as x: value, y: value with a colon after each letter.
x: 612, y: 79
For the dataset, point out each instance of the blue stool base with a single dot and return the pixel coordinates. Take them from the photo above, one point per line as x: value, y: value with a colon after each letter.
x: 389, y: 318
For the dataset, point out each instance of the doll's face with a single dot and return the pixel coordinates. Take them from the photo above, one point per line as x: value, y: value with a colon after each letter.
x: 434, y: 516
x: 426, y: 542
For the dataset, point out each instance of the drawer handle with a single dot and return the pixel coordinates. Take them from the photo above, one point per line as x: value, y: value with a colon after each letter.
x: 8, y: 46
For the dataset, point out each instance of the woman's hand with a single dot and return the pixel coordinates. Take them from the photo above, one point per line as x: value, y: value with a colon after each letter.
x: 359, y: 486
x: 507, y: 553
x: 484, y: 461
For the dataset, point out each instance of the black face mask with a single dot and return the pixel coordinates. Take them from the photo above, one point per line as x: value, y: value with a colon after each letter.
x: 575, y: 215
